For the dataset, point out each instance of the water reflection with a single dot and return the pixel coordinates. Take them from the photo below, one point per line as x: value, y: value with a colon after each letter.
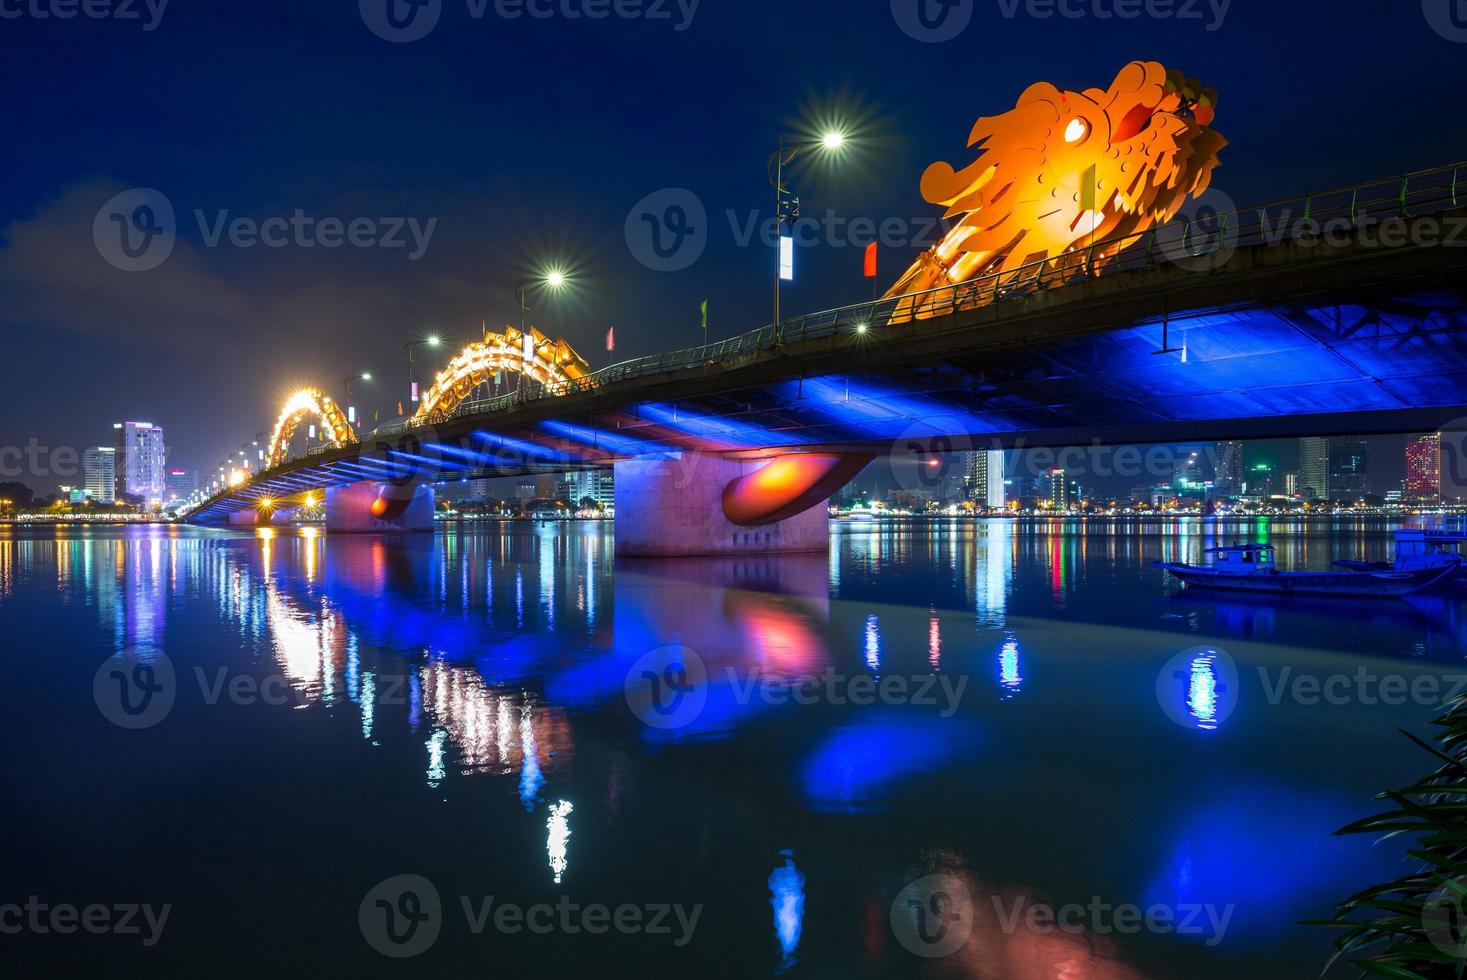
x: 1009, y: 677
x: 558, y: 841
x: 787, y: 896
x: 471, y: 671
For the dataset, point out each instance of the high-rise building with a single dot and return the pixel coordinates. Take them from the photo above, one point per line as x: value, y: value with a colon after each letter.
x: 1424, y: 467
x: 140, y: 456
x: 179, y: 485
x: 594, y: 484
x: 1349, y: 468
x: 1314, y: 466
x: 1054, y: 487
x: 1228, y: 468
x: 99, y: 465
x: 983, y: 478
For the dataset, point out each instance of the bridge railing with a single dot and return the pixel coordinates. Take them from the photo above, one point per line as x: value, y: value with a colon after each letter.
x: 1182, y: 241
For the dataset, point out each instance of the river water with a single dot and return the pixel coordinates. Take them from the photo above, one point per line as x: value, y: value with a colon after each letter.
x: 497, y: 750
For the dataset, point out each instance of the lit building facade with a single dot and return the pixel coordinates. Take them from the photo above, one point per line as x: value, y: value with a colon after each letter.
x: 1424, y: 467
x: 179, y: 485
x: 595, y: 484
x: 1349, y: 468
x: 99, y: 467
x: 1314, y: 467
x: 140, y: 461
x: 1228, y: 468
x: 983, y: 478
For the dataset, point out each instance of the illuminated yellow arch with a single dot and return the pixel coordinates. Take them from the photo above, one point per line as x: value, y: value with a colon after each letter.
x: 550, y: 360
x: 312, y: 402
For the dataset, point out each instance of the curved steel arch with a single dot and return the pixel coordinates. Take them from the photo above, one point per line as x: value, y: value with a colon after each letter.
x: 308, y: 402
x: 534, y: 355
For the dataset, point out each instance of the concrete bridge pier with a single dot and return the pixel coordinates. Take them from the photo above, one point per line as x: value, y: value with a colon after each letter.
x: 696, y: 504
x: 374, y: 508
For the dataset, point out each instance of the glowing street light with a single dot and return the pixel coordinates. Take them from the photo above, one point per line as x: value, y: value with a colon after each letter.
x: 787, y: 206
x: 351, y: 411
x: 432, y: 340
x: 553, y: 279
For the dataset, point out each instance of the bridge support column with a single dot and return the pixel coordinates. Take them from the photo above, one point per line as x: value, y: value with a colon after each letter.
x: 349, y: 510
x: 668, y: 508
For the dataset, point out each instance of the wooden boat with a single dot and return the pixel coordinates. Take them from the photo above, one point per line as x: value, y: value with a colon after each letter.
x: 1251, y: 568
x: 1418, y: 548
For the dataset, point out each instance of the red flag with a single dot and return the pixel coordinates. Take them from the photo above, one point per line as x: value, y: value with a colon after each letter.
x: 871, y: 261
x: 611, y: 339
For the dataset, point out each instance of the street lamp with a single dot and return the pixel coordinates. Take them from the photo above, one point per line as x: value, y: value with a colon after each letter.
x: 787, y: 206
x: 555, y: 280
x: 351, y: 410
x: 432, y: 340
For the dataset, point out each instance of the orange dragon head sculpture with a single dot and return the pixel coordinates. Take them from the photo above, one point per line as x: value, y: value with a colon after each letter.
x: 1065, y: 170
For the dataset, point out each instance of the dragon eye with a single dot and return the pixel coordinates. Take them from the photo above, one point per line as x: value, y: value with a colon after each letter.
x: 1077, y: 130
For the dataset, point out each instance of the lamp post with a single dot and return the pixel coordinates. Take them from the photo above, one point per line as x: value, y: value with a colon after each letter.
x: 786, y: 205
x: 351, y: 410
x: 554, y: 280
x: 411, y: 346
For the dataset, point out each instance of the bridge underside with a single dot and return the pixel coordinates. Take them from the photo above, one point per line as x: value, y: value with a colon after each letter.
x: 1268, y: 344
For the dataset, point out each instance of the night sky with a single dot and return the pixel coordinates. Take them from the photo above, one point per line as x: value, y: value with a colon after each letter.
x: 530, y: 141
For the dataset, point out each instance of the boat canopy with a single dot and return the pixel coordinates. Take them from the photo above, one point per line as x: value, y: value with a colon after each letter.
x: 1225, y: 548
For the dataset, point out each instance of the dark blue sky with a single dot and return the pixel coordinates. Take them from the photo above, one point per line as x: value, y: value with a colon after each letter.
x: 530, y: 141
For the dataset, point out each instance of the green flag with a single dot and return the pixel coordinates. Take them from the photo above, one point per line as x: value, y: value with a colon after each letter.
x: 704, y: 308
x: 1088, y: 190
